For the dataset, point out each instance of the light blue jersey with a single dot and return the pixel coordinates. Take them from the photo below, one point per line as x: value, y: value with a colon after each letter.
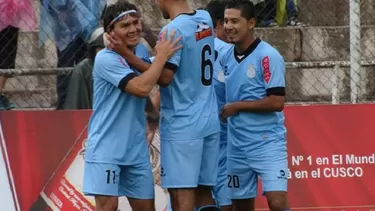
x: 221, y: 48
x: 189, y: 124
x: 188, y: 105
x: 117, y: 127
x: 250, y: 77
x: 256, y: 140
x: 141, y: 51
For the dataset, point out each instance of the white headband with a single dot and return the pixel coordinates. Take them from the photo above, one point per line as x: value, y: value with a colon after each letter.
x: 122, y: 15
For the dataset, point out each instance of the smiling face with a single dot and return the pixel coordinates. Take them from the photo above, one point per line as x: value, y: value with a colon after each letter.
x: 236, y: 26
x: 129, y: 29
x: 124, y: 21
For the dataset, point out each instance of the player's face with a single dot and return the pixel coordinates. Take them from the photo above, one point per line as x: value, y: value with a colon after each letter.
x: 236, y: 27
x: 129, y: 30
x: 220, y: 31
x: 162, y: 6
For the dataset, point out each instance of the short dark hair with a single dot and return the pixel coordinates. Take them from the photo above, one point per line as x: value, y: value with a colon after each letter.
x: 245, y: 6
x: 216, y: 9
x: 113, y: 10
x: 103, y: 13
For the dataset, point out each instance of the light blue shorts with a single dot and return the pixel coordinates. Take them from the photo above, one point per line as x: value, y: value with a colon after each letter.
x: 189, y: 163
x: 135, y: 181
x: 243, y: 173
x: 220, y: 190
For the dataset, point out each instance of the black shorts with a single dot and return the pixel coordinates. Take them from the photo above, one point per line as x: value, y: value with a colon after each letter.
x: 8, y: 47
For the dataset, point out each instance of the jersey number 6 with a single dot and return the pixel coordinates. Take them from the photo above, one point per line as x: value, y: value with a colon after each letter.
x: 206, y: 63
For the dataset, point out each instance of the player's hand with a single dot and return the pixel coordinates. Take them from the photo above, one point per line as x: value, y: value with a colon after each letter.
x: 228, y: 111
x: 151, y: 129
x: 105, y: 40
x: 167, y: 47
x: 114, y: 43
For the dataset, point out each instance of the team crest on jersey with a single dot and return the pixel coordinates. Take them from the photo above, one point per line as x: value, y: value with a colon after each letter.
x: 251, y: 71
x: 220, y: 76
x: 203, y: 31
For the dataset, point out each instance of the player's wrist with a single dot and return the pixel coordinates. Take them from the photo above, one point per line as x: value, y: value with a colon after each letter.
x: 161, y: 57
x: 237, y: 106
x: 126, y: 53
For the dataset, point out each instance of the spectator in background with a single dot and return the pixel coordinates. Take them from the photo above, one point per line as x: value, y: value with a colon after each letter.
x: 271, y: 13
x: 265, y: 13
x: 14, y: 15
x: 80, y: 87
x: 291, y: 9
x: 69, y: 23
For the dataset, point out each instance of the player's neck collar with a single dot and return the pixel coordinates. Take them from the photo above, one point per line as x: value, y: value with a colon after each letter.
x: 241, y: 56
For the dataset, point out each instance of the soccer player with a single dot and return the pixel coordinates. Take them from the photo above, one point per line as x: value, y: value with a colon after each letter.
x: 216, y: 9
x: 255, y: 93
x: 117, y: 159
x: 189, y: 122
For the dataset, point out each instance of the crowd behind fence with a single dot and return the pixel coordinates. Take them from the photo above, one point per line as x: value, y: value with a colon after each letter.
x: 329, y: 47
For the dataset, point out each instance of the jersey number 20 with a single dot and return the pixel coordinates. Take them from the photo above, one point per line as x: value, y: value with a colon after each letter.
x: 206, y: 63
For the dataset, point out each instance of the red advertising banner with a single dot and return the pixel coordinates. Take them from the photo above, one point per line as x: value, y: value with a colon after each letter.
x: 37, y: 142
x: 58, y: 141
x: 331, y: 158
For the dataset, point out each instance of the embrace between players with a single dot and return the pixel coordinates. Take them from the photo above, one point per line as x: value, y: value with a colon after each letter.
x: 221, y: 124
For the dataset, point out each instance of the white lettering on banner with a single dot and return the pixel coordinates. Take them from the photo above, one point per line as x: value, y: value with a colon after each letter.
x: 55, y: 199
x: 343, y: 172
x: 70, y: 195
x: 7, y: 202
x: 352, y: 159
x: 335, y: 166
x: 73, y: 196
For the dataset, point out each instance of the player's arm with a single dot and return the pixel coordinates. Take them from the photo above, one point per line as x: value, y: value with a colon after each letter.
x: 170, y: 67
x: 273, y: 70
x: 151, y: 111
x: 156, y: 100
x: 272, y: 103
x: 152, y: 114
x: 119, y: 74
x: 142, y: 66
x: 142, y: 85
